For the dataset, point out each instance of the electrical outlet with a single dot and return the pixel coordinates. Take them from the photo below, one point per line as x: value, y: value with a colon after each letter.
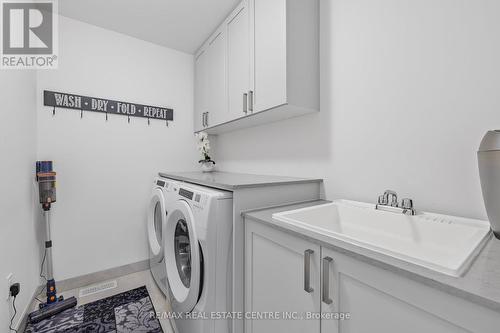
x: 10, y: 281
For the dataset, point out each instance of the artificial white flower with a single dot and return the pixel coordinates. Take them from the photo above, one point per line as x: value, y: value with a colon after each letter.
x: 203, y: 144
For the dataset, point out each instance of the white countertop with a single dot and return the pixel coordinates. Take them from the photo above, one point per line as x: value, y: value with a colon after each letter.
x: 230, y: 181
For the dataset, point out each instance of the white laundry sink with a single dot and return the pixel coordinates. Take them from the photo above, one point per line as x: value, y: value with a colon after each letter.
x: 445, y: 244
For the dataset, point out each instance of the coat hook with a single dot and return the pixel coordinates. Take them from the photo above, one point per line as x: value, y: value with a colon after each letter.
x: 54, y: 111
x: 129, y: 119
x: 166, y: 122
x: 148, y: 122
x: 106, y: 116
x: 81, y: 113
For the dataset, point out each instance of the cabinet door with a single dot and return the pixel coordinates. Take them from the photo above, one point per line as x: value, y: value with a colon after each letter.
x: 380, y: 301
x: 200, y: 90
x: 216, y: 68
x: 282, y: 276
x: 269, y: 63
x: 238, y: 61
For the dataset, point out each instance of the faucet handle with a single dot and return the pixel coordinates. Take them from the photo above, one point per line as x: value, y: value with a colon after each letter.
x: 382, y: 200
x: 394, y: 198
x: 407, y: 203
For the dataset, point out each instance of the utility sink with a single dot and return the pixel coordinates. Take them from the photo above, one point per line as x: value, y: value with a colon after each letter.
x: 442, y: 243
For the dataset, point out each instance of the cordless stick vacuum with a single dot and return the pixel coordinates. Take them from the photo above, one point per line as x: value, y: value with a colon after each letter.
x: 46, y: 179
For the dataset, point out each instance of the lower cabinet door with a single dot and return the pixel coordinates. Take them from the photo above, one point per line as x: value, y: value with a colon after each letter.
x: 282, y: 282
x: 381, y: 301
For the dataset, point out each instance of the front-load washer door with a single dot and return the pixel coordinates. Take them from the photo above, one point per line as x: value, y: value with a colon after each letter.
x: 182, y: 257
x: 156, y: 221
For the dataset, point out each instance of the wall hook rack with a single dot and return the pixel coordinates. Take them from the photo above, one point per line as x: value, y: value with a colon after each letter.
x: 95, y: 104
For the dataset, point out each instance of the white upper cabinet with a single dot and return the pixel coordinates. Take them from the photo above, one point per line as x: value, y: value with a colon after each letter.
x: 217, y: 97
x: 271, y: 65
x: 210, y: 104
x: 270, y: 51
x: 200, y: 90
x: 238, y: 61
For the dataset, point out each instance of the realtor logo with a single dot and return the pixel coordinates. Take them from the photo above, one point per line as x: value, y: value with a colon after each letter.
x: 29, y: 34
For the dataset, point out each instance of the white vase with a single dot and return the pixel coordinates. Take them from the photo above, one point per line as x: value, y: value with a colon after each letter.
x: 207, y: 166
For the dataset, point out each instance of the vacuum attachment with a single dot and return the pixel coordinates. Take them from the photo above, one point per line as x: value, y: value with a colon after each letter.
x: 488, y: 157
x: 51, y: 310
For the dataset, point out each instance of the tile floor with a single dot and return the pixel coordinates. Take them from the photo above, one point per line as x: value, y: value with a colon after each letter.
x: 127, y: 282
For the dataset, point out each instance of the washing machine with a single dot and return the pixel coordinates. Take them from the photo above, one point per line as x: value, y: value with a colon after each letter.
x: 162, y: 196
x: 198, y: 247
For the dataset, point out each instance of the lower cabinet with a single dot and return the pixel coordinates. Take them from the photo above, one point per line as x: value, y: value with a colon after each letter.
x: 282, y: 278
x: 312, y: 288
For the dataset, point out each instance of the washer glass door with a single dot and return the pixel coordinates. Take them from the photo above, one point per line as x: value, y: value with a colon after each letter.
x: 156, y: 221
x: 182, y: 257
x: 182, y: 250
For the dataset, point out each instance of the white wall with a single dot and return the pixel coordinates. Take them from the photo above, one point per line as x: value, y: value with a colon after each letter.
x: 105, y: 169
x: 408, y: 90
x: 19, y: 244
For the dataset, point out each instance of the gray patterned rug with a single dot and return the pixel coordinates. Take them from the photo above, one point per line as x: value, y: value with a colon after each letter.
x: 131, y: 311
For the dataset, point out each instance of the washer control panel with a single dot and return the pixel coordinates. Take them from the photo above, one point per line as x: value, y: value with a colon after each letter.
x: 198, y: 199
x: 164, y: 184
x: 186, y: 193
x: 161, y: 183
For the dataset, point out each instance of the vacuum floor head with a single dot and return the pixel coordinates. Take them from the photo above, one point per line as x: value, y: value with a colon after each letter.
x: 51, y: 310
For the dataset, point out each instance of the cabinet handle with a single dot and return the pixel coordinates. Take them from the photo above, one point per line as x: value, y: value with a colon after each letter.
x: 326, y: 280
x: 245, y: 110
x: 250, y: 100
x: 307, y: 270
x: 203, y: 119
x: 206, y: 119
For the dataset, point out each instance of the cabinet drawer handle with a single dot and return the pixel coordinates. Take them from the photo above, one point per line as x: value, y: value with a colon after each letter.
x: 307, y: 270
x: 326, y: 280
x: 245, y: 110
x: 250, y: 100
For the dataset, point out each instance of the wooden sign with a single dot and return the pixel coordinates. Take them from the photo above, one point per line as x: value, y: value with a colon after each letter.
x: 94, y: 104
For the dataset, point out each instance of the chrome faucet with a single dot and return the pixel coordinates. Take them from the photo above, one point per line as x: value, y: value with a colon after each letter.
x: 389, y: 202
